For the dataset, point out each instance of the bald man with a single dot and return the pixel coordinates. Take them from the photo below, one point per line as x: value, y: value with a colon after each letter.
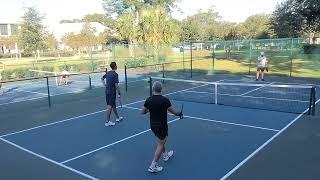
x: 158, y: 106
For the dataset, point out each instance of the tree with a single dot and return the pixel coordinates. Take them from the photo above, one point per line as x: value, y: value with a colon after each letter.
x: 127, y: 30
x: 135, y: 6
x: 31, y: 36
x: 201, y: 26
x: 100, y: 18
x: 70, y: 21
x: 294, y: 18
x: 285, y: 21
x: 88, y: 38
x: 256, y: 27
x: 51, y: 41
x: 156, y: 28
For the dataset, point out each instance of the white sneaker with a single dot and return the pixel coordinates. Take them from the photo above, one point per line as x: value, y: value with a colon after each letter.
x: 167, y: 156
x: 155, y: 169
x: 119, y: 119
x: 109, y: 123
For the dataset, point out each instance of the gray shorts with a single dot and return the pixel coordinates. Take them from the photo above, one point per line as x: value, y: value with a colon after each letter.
x: 261, y: 68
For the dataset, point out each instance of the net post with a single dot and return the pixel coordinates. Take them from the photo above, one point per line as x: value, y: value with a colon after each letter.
x: 150, y: 85
x: 48, y: 90
x: 215, y: 93
x: 313, y: 101
x: 126, y: 78
x: 310, y: 102
x: 90, y: 84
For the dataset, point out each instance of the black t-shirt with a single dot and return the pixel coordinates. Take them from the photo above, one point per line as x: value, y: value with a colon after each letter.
x: 111, y: 79
x: 158, y: 106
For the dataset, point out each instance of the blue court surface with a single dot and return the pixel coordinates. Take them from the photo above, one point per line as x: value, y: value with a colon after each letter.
x: 210, y: 142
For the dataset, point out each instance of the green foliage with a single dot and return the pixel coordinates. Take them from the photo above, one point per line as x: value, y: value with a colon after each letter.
x: 311, y: 48
x: 32, y: 33
x: 6, y: 75
x: 136, y: 62
x: 256, y: 27
x: 47, y: 68
x: 293, y: 18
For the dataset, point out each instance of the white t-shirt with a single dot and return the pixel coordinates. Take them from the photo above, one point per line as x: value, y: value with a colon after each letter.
x: 262, y: 61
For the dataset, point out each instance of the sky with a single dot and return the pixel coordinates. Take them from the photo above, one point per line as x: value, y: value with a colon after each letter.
x: 56, y: 10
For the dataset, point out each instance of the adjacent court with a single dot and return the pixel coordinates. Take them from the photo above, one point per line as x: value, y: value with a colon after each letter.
x: 212, y: 140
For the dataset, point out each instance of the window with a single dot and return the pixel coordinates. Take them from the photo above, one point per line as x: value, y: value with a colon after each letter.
x: 14, y: 29
x: 4, y: 29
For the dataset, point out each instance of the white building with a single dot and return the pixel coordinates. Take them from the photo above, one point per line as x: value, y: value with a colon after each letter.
x: 8, y: 28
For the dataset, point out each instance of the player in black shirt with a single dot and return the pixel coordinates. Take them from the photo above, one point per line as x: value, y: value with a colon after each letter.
x: 158, y: 106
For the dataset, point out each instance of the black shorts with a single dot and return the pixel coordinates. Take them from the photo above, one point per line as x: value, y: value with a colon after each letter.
x: 111, y: 100
x: 160, y: 132
x: 261, y: 69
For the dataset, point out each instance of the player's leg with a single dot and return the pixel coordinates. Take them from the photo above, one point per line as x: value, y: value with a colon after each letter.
x: 258, y: 73
x: 109, y: 110
x: 114, y: 108
x: 154, y: 167
x: 262, y: 74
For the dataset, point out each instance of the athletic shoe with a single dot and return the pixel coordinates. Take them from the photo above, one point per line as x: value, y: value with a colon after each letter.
x: 262, y: 79
x: 155, y: 169
x: 109, y: 123
x: 257, y: 79
x: 167, y: 156
x: 119, y: 119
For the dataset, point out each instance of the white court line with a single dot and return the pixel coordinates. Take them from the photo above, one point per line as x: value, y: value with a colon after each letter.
x: 41, y: 97
x: 34, y: 92
x: 235, y: 124
x: 114, y: 143
x: 263, y: 145
x: 50, y: 160
x: 57, y: 122
x: 217, y: 121
x: 255, y: 89
x: 253, y: 97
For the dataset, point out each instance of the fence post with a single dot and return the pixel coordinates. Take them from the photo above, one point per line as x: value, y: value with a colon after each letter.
x: 150, y: 85
x: 126, y: 77
x: 191, y: 59
x: 113, y: 52
x: 183, y: 56
x: 48, y: 90
x: 162, y: 70
x: 250, y: 56
x: 213, y: 56
x: 90, y: 85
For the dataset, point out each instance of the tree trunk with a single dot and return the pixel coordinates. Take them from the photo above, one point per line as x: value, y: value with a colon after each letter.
x: 131, y: 50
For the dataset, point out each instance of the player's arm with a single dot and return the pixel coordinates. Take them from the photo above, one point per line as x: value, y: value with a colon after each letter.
x: 144, y: 110
x: 103, y: 81
x: 118, y: 89
x: 174, y: 111
x: 117, y: 85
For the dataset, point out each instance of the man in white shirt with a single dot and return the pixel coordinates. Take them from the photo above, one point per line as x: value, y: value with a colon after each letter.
x: 261, y: 66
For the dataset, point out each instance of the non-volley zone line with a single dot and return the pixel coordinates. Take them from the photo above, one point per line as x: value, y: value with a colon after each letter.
x: 218, y: 121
